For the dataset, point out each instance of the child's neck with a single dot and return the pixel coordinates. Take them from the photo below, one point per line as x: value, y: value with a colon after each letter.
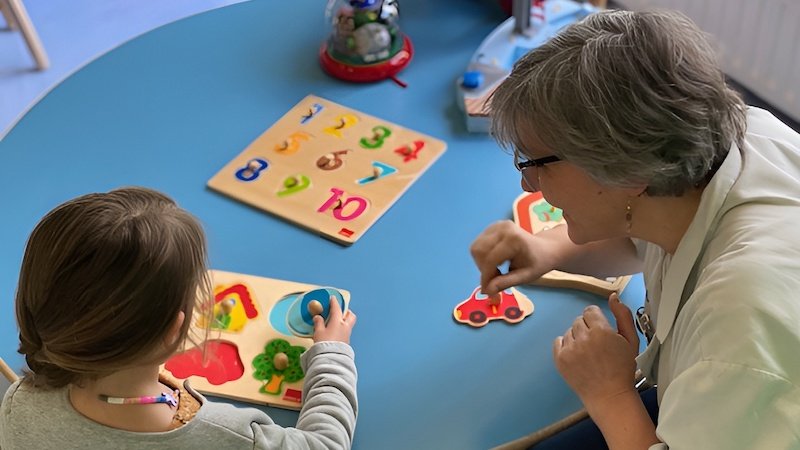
x: 134, y: 382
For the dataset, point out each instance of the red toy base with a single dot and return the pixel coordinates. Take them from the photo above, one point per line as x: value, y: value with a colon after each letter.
x: 367, y: 73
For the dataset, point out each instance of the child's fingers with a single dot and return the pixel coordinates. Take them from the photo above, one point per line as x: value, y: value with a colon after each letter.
x: 319, y: 323
x: 350, y: 318
x: 335, y: 309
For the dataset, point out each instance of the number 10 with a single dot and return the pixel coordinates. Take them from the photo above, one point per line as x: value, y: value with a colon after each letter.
x: 339, y: 206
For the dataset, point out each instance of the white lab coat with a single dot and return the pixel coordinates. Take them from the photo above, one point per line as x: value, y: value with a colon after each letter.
x: 726, y: 304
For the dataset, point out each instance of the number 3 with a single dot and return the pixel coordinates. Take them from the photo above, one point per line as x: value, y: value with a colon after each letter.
x: 380, y: 133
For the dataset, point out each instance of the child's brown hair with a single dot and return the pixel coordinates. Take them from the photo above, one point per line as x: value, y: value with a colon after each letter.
x: 103, y: 279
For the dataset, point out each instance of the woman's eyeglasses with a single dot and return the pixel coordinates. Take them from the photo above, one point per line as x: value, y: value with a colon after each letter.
x: 522, y: 163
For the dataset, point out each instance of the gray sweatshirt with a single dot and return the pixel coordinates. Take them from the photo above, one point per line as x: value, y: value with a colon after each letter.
x: 45, y: 419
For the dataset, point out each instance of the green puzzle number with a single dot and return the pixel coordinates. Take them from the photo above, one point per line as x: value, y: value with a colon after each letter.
x: 380, y: 133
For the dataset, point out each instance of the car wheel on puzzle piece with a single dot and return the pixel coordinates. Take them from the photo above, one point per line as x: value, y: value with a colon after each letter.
x: 513, y: 313
x: 477, y: 317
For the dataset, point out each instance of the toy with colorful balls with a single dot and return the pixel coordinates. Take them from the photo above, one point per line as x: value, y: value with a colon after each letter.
x: 365, y: 43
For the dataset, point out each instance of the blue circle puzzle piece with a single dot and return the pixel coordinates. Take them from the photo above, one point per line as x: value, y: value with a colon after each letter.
x: 279, y: 312
x: 299, y: 319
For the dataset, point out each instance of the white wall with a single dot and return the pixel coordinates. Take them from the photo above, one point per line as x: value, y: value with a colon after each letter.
x: 758, y: 42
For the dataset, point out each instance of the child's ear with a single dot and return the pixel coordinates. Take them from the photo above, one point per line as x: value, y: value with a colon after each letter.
x: 175, y: 329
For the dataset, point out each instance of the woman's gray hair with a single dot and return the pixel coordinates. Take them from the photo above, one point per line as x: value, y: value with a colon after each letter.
x: 631, y: 97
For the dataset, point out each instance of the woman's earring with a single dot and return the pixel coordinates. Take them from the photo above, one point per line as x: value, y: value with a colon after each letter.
x: 628, y: 218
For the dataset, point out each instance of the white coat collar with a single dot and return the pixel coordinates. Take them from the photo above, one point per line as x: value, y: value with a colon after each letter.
x: 694, y: 240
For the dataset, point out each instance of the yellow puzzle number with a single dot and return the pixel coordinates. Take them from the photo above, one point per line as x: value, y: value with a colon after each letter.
x: 342, y: 122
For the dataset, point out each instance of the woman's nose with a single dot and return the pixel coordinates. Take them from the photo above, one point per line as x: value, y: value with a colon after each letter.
x: 527, y: 187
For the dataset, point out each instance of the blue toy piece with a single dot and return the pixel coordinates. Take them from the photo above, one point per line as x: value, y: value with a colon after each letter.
x: 472, y: 79
x: 299, y: 319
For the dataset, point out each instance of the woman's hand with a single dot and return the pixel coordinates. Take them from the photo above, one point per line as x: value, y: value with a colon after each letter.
x: 529, y: 257
x: 597, y: 361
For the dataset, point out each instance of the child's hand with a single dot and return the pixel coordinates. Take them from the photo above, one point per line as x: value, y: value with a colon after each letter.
x: 338, y: 327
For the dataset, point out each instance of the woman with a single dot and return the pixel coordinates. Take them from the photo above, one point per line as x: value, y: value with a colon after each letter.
x: 625, y: 122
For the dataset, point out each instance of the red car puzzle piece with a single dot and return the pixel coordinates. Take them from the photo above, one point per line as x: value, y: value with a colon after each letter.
x: 479, y: 308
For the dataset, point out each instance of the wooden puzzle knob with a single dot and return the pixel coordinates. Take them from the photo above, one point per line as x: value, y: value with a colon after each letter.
x: 494, y: 300
x: 315, y: 308
x: 252, y: 168
x: 280, y: 361
x: 331, y: 159
x: 227, y: 305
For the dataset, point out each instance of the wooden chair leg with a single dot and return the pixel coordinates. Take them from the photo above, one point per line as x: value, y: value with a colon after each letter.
x: 546, y: 432
x: 6, y: 11
x: 9, y: 374
x: 642, y: 384
x: 20, y: 16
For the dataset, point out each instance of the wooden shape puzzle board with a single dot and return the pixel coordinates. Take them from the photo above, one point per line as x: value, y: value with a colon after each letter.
x: 328, y: 168
x: 534, y: 214
x: 250, y: 312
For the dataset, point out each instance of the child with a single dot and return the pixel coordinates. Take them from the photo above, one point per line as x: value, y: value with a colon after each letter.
x: 107, y: 290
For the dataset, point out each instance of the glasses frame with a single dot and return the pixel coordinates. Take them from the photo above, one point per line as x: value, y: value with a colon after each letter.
x: 537, y: 162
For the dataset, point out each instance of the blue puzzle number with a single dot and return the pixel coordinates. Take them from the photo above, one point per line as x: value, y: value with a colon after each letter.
x: 380, y: 170
x: 252, y: 169
x: 312, y: 112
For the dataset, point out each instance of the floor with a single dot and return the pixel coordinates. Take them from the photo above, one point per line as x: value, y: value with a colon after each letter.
x: 74, y: 32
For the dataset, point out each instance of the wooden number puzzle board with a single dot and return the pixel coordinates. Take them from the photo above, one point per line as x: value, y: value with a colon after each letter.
x: 534, y: 214
x: 328, y: 168
x: 256, y: 316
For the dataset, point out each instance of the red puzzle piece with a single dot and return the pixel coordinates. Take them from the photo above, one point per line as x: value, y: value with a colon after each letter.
x: 222, y: 364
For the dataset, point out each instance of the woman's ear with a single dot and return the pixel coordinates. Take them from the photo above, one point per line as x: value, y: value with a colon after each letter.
x: 175, y: 329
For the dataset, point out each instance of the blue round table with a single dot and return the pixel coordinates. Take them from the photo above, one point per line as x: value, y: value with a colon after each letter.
x: 170, y: 108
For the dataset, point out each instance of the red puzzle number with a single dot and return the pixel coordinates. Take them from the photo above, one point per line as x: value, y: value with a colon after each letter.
x: 410, y: 151
x: 340, y: 206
